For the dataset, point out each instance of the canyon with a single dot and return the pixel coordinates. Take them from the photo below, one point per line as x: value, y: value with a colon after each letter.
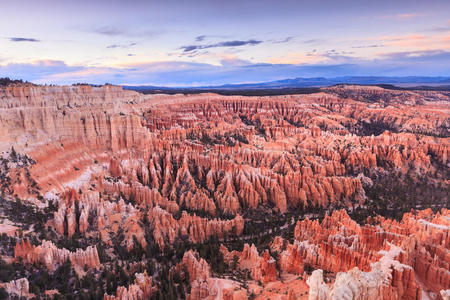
x: 339, y: 194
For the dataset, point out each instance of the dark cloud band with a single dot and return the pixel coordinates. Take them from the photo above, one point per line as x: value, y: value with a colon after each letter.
x: 21, y: 39
x: 236, y: 43
x: 114, y: 46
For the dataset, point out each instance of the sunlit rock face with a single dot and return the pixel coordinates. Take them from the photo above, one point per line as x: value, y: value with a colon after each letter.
x: 51, y: 256
x: 214, y: 153
x: 383, y: 259
x: 118, y: 174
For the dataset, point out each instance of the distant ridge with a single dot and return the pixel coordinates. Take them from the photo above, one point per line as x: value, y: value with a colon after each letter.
x: 300, y: 82
x: 305, y: 85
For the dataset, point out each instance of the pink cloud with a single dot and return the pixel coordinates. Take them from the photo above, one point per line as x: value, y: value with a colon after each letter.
x: 415, y: 42
x: 409, y: 15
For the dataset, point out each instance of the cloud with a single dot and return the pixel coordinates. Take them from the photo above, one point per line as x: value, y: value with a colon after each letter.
x: 37, y: 69
x: 316, y: 57
x: 311, y: 57
x: 235, y: 43
x: 399, y: 16
x: 200, y: 38
x: 235, y: 70
x: 414, y: 42
x: 233, y: 60
x: 400, y: 38
x: 443, y: 28
x: 204, y: 37
x: 21, y: 39
x: 313, y: 41
x: 439, y: 29
x: 282, y: 41
x: 109, y: 30
x: 114, y: 46
x: 113, y: 31
x: 409, y: 15
x: 368, y: 46
x: 428, y: 56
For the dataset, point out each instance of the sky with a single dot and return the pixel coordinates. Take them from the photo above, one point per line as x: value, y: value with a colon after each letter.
x: 199, y: 42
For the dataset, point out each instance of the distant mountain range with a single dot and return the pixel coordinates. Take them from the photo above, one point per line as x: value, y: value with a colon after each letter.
x: 407, y: 81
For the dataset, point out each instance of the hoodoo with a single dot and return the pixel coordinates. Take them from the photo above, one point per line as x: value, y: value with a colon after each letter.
x: 314, y: 196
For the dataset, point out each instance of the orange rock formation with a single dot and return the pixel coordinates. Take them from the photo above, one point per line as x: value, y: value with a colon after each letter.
x: 205, y: 287
x: 141, y: 289
x: 161, y: 168
x: 51, y: 256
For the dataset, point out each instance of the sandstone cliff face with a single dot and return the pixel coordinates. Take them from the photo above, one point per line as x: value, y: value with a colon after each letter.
x: 51, y: 256
x: 42, y: 111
